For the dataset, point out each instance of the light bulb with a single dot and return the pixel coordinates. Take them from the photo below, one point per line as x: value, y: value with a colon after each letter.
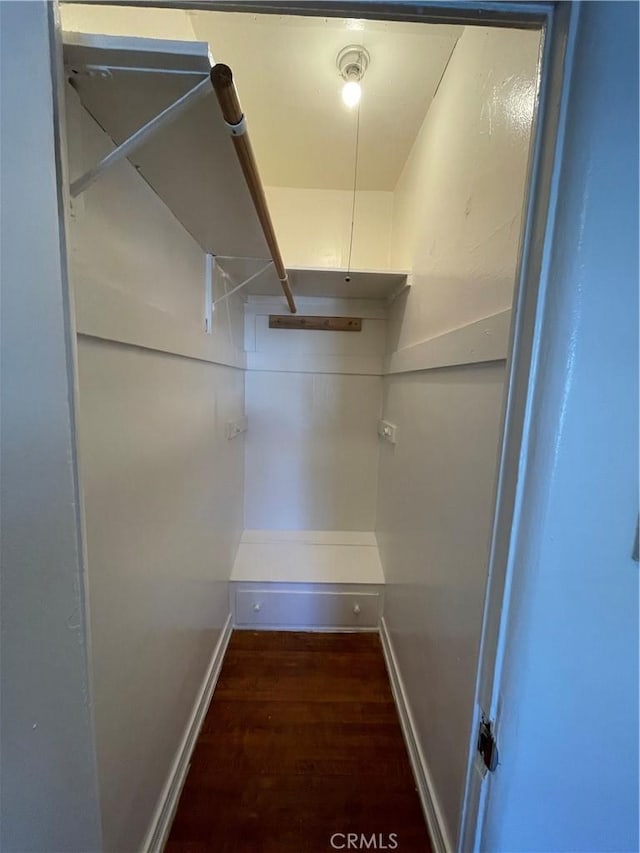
x: 351, y: 92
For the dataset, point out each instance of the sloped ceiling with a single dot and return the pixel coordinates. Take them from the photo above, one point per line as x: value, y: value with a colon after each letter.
x: 289, y: 86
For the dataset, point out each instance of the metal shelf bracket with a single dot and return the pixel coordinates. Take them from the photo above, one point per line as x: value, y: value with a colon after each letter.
x: 239, y: 286
x: 141, y: 135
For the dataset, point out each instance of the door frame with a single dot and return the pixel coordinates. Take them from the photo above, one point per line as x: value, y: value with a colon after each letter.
x: 557, y: 22
x: 519, y: 422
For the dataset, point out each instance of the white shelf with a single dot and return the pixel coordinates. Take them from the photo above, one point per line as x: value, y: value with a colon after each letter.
x: 190, y: 163
x: 314, y: 281
x: 310, y: 556
x: 318, y: 281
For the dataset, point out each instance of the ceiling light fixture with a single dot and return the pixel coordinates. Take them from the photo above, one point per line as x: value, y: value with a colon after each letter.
x: 352, y: 62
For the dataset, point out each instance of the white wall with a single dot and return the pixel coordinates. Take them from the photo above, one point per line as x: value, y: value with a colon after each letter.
x: 456, y: 226
x: 458, y: 203
x: 314, y: 227
x: 436, y: 491
x: 162, y: 483
x: 123, y: 236
x: 568, y: 732
x: 313, y: 402
x: 48, y: 782
x: 127, y: 21
x: 163, y: 496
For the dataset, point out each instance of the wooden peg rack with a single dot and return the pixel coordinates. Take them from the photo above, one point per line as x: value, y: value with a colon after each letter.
x: 318, y: 324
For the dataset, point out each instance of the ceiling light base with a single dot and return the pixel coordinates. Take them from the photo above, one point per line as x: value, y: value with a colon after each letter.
x: 352, y: 62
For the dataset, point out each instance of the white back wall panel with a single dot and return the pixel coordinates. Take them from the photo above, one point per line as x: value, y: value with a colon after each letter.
x: 294, y: 342
x: 313, y: 401
x: 314, y: 227
x: 311, y: 451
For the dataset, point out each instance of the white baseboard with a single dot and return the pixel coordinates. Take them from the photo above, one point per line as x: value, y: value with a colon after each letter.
x: 168, y: 802
x: 430, y: 806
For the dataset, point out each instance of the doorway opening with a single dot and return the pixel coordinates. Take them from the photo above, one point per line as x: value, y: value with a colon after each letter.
x: 335, y: 469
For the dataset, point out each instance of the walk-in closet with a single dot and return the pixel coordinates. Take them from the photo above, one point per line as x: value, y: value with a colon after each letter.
x: 293, y: 326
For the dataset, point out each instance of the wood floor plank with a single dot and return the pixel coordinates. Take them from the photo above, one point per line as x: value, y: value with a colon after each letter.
x: 301, y: 741
x: 288, y: 676
x: 233, y: 713
x: 298, y: 641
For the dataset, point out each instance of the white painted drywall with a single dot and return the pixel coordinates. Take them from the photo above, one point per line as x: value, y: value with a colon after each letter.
x: 127, y: 21
x: 458, y: 203
x: 568, y: 728
x: 305, y: 351
x: 163, y: 496
x: 311, y: 450
x: 122, y: 235
x: 435, y: 503
x: 312, y: 447
x: 314, y: 227
x: 48, y: 780
x: 456, y: 226
x: 163, y: 485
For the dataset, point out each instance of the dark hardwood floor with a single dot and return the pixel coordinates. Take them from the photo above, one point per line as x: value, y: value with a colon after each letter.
x: 301, y: 743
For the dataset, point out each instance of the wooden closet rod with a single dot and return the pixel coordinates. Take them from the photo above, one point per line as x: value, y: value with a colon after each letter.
x: 222, y: 80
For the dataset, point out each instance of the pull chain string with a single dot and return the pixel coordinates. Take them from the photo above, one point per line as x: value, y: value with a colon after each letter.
x: 355, y: 184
